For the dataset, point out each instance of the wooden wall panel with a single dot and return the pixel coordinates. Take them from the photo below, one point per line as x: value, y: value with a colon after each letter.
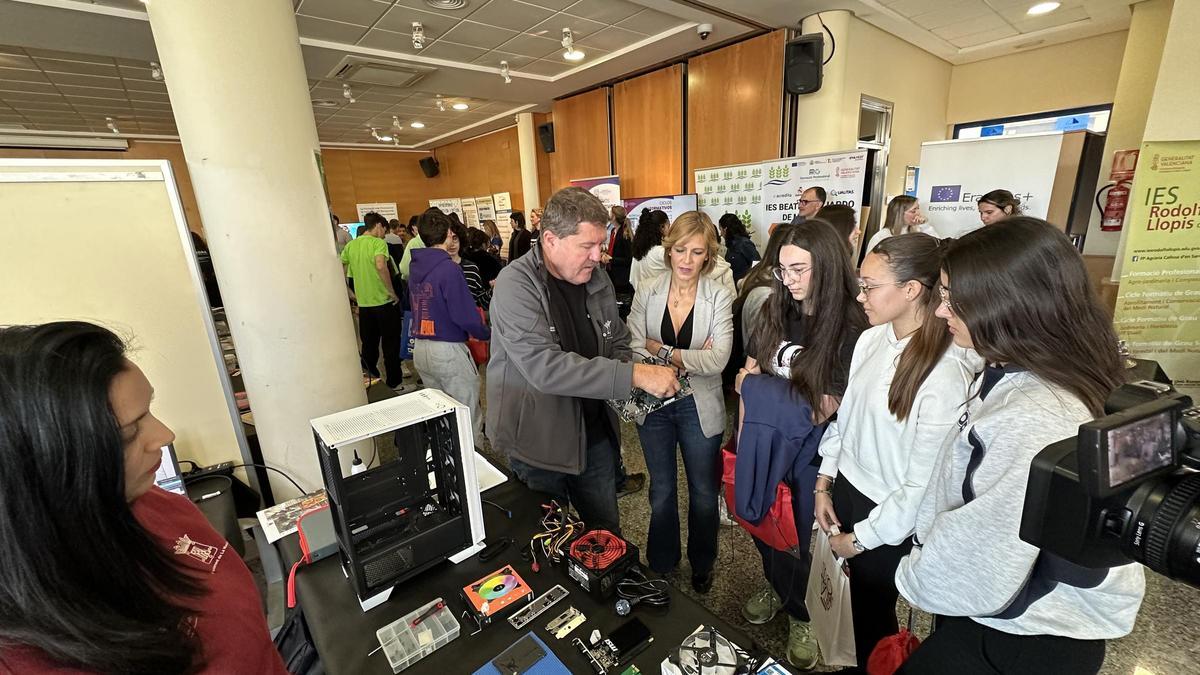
x: 735, y: 103
x: 648, y: 133
x: 485, y: 165
x: 580, y: 138
x: 363, y: 176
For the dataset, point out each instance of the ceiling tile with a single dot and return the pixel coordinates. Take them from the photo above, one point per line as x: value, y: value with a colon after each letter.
x: 511, y: 14
x: 981, y: 24
x: 347, y: 11
x: 557, y: 5
x: 611, y: 39
x: 478, y: 35
x: 334, y: 31
x: 137, y: 73
x: 983, y: 38
x: 384, y: 95
x: 1061, y: 17
x: 552, y: 28
x: 85, y: 80
x: 453, y: 52
x: 160, y: 97
x: 100, y: 107
x: 374, y: 106
x: 531, y: 45
x: 92, y: 92
x: 546, y: 67
x: 15, y: 100
x: 463, y: 13
x: 17, y: 85
x: 66, y: 56
x: 944, y: 16
x: 388, y: 41
x: 400, y: 20
x: 604, y: 11
x: 16, y: 61
x: 77, y: 67
x: 145, y: 85
x: 20, y: 75
x: 651, y: 22
x: 911, y: 8
x: 493, y: 58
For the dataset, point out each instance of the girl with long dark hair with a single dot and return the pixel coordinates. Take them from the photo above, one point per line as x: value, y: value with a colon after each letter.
x: 806, y: 333
x: 617, y: 254
x: 647, y: 238
x: 520, y: 240
x: 102, y: 571
x: 1021, y: 297
x: 997, y: 205
x: 906, y: 390
x: 740, y: 252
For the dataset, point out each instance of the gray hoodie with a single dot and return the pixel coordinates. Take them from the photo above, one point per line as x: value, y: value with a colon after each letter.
x: 970, y: 560
x: 533, y: 386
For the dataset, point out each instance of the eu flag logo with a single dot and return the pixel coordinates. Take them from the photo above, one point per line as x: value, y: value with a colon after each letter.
x: 945, y: 193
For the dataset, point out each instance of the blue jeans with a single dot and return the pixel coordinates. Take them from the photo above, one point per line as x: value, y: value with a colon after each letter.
x: 593, y: 493
x: 679, y: 424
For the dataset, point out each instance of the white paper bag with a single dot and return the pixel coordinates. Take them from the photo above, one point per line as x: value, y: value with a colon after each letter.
x: 828, y: 601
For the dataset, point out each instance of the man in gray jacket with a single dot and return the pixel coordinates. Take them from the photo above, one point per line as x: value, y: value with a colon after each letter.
x: 559, y: 351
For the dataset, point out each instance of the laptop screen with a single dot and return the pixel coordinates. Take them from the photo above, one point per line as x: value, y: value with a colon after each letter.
x: 167, y: 477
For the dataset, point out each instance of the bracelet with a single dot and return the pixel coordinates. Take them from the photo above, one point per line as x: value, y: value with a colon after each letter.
x: 823, y: 492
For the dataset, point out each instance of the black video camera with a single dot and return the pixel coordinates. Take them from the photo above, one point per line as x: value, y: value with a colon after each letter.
x: 1126, y: 489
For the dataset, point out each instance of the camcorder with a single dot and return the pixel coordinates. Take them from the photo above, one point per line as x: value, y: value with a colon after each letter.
x: 1126, y: 489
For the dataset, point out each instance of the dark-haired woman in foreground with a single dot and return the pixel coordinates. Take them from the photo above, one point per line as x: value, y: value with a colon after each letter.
x: 102, y: 571
x: 1020, y: 296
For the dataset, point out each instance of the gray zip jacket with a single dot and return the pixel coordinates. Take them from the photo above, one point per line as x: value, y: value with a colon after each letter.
x: 970, y: 560
x: 533, y: 386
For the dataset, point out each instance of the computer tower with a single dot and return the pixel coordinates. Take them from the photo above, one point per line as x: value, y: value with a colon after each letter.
x: 416, y: 504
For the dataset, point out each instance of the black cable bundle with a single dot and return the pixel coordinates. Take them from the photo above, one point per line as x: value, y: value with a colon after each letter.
x: 637, y: 589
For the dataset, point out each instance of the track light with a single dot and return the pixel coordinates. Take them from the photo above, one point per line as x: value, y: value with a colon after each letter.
x: 347, y: 94
x: 396, y: 124
x: 112, y: 125
x: 156, y: 71
x: 504, y: 72
x: 568, y: 43
x: 418, y: 35
x: 441, y: 105
x: 382, y: 138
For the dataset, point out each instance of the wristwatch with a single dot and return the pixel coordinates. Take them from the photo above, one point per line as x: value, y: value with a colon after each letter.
x: 856, y: 543
x: 665, y: 351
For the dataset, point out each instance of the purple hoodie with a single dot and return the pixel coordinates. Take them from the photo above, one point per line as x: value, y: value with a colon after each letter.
x: 442, y: 306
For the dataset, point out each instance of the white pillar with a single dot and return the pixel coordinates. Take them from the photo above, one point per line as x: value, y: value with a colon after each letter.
x: 527, y: 145
x: 239, y: 92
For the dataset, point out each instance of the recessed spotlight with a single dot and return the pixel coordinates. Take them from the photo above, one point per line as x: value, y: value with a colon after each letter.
x: 460, y: 106
x: 417, y: 125
x: 1042, y: 8
x: 573, y: 55
x: 325, y: 103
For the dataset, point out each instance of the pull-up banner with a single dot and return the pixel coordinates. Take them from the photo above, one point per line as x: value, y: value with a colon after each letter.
x: 606, y: 188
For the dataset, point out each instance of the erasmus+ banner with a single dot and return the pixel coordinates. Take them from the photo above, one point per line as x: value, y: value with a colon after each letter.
x: 1158, y: 305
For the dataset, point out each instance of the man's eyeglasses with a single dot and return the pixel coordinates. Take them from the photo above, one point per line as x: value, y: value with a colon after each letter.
x: 782, y: 273
x: 806, y: 202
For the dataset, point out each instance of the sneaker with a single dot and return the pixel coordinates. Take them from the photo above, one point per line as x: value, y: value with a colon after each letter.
x: 634, y: 483
x: 762, y: 606
x: 802, y: 649
x: 405, y: 388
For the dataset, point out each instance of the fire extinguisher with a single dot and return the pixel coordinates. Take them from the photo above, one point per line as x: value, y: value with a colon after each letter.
x: 1116, y: 197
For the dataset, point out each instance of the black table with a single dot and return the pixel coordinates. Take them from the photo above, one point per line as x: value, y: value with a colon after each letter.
x: 344, y: 634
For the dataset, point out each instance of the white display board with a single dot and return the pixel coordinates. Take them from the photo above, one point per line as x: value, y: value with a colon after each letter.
x: 738, y: 190
x: 954, y: 174
x: 448, y: 206
x: 386, y: 209
x: 470, y: 216
x: 672, y: 205
x: 503, y: 209
x: 485, y: 208
x: 132, y: 270
x: 606, y: 188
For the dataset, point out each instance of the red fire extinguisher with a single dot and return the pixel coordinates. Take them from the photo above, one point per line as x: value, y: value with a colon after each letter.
x: 1117, y: 200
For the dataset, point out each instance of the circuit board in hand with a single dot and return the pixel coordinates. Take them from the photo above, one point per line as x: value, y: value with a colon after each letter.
x: 642, y: 403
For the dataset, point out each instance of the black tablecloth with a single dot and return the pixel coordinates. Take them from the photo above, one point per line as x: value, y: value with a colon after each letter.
x: 344, y: 634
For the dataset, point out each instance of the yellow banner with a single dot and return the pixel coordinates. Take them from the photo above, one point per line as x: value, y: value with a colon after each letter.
x: 1158, y: 306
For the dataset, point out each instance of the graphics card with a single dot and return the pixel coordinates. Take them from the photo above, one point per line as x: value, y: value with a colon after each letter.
x: 598, y: 559
x: 707, y: 652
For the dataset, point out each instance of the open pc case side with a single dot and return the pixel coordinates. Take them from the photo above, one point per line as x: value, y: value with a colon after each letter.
x: 418, y: 501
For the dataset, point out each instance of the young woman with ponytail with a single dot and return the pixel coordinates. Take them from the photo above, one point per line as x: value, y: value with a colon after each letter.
x: 906, y: 390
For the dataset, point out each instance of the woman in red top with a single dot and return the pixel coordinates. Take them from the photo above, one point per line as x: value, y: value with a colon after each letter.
x: 101, y: 571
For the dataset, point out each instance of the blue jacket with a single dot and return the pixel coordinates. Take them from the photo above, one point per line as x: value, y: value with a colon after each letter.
x: 442, y: 306
x: 778, y: 442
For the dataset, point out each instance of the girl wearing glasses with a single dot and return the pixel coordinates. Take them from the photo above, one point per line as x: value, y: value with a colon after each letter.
x: 806, y: 334
x: 906, y: 389
x: 1020, y: 296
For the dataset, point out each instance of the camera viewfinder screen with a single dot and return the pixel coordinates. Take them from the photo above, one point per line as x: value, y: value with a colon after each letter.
x: 1138, y: 448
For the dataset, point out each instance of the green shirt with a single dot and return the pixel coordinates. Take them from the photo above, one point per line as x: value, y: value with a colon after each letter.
x: 413, y: 244
x: 359, y: 258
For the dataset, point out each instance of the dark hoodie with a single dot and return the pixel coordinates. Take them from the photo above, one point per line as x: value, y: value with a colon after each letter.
x: 442, y: 306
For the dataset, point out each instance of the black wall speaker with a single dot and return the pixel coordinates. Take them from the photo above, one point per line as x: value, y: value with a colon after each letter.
x: 802, y: 64
x: 429, y: 165
x: 546, y: 136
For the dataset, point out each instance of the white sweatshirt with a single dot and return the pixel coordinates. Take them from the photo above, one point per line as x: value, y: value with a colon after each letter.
x: 887, y: 460
x: 884, y: 233
x: 970, y: 560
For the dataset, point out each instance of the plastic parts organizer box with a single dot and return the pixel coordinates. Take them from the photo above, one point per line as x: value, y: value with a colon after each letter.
x: 405, y: 644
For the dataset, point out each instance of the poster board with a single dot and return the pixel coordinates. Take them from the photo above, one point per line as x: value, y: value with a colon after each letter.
x: 1158, y: 303
x: 448, y: 206
x: 470, y: 216
x: 502, y: 202
x: 386, y: 209
x: 734, y: 189
x: 672, y: 205
x: 955, y: 174
x: 606, y: 188
x: 132, y: 270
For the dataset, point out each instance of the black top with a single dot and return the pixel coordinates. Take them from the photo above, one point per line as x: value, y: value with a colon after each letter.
x: 797, y: 335
x: 488, y: 264
x: 684, y: 339
x: 576, y: 334
x: 622, y: 260
x: 518, y: 244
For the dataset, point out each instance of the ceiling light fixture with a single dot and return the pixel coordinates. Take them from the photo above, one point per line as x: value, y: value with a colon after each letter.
x: 156, y: 71
x: 441, y: 105
x: 1042, y: 8
x: 568, y: 43
x: 396, y: 124
x: 460, y: 106
x: 347, y: 94
x: 417, y: 125
x: 112, y: 125
x: 446, y: 4
x: 381, y: 138
x: 504, y: 72
x: 418, y: 35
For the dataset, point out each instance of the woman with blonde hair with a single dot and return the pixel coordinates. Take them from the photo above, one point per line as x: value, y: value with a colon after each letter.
x: 903, y: 216
x: 684, y: 318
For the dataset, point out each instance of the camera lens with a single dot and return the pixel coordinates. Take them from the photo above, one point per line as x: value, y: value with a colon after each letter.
x: 1164, y: 533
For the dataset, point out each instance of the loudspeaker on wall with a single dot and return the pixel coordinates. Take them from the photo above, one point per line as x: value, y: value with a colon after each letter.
x: 429, y: 165
x: 802, y: 64
x: 546, y: 136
